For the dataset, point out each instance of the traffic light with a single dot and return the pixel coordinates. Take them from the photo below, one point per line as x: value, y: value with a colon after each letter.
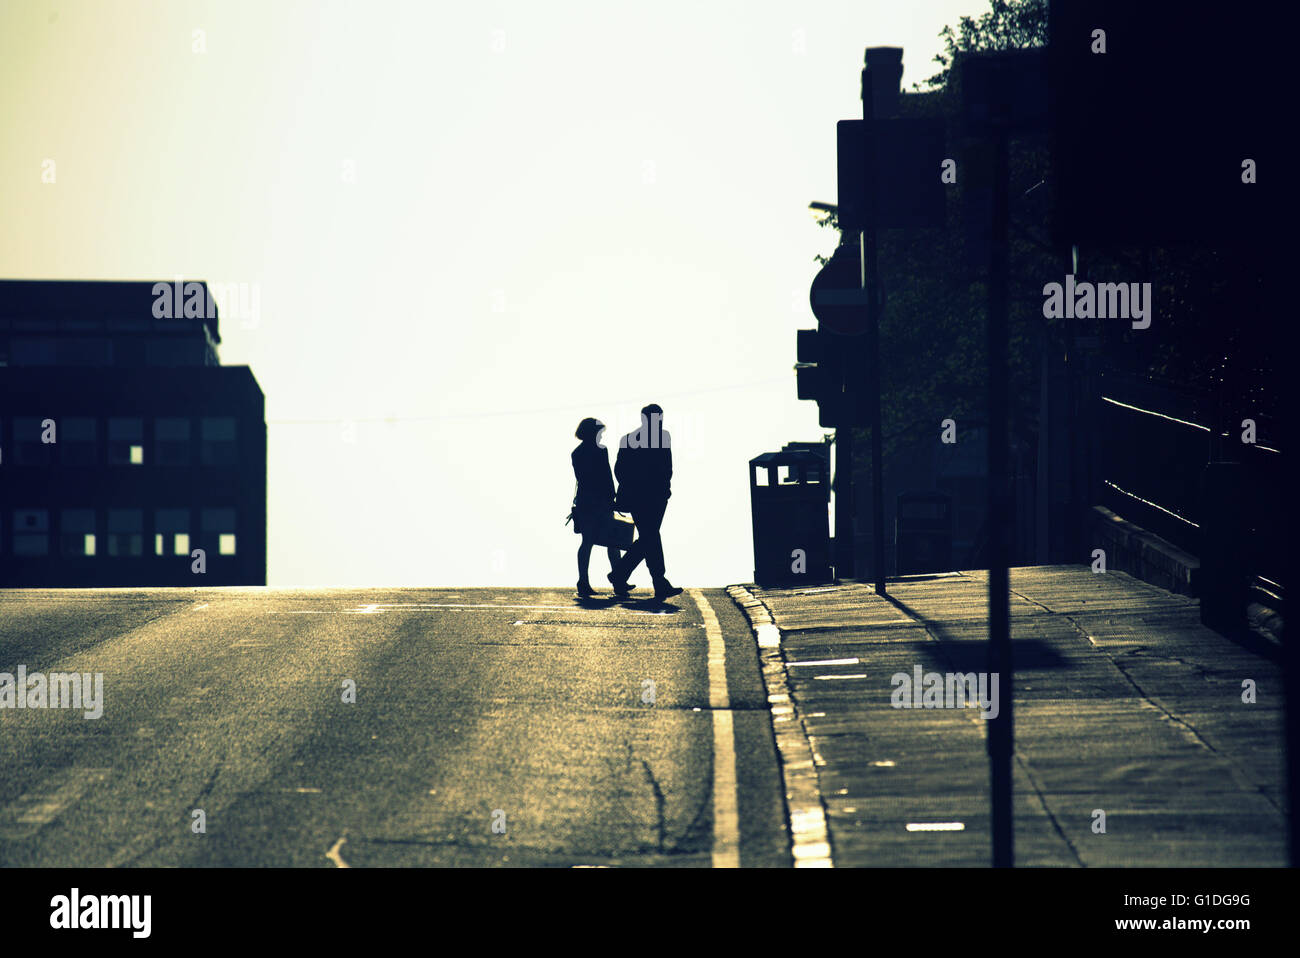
x: 810, y: 377
x: 832, y: 371
x: 819, y: 374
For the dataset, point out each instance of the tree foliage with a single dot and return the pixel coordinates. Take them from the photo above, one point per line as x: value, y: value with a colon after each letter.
x: 1008, y: 25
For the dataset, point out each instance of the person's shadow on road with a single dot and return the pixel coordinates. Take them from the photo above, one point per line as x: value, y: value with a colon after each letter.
x: 647, y: 604
x: 651, y: 604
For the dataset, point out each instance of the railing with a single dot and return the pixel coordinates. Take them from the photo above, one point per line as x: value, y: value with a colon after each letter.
x: 1154, y: 443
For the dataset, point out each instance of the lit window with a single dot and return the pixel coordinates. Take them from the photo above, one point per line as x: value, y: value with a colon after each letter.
x: 219, y: 525
x: 77, y: 532
x: 173, y: 524
x: 125, y: 437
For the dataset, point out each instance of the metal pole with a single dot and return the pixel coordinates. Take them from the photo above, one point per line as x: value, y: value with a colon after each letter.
x: 844, y: 502
x: 1000, y: 731
x: 891, y: 76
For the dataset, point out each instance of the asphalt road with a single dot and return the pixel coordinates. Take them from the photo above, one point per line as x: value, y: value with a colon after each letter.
x: 490, y: 727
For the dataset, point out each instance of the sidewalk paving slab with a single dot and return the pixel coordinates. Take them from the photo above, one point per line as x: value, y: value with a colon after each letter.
x: 1123, y: 702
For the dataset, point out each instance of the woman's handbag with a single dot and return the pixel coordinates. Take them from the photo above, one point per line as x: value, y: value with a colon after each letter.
x: 614, y: 530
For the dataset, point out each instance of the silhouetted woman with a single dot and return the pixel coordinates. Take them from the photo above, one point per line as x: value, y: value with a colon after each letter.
x: 594, y: 499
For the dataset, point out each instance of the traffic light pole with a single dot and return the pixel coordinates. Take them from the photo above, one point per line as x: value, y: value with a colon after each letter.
x: 844, y: 502
x: 1000, y: 730
x: 871, y: 284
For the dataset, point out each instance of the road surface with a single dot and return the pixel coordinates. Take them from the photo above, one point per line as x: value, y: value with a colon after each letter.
x: 490, y: 727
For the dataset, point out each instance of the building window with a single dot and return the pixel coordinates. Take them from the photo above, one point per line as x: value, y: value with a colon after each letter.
x: 171, y: 442
x: 78, y: 437
x: 125, y: 532
x: 180, y: 543
x: 84, y: 351
x: 217, y: 441
x: 77, y: 532
x: 31, y: 532
x: 125, y: 442
x: 29, y: 450
x: 171, y: 532
x: 33, y: 351
x: 219, y: 524
x: 174, y: 351
x: 62, y: 351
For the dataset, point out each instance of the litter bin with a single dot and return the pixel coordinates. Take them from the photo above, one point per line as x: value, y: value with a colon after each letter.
x: 923, y: 533
x: 788, y: 495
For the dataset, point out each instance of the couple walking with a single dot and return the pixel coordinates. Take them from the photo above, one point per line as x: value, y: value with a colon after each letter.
x: 644, y: 468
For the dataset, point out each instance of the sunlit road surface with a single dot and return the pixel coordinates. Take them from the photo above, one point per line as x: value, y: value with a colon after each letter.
x: 490, y: 727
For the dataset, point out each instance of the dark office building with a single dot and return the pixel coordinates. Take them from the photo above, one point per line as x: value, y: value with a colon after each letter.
x: 125, y: 447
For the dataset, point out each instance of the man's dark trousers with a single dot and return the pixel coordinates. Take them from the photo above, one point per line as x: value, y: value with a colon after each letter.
x: 648, y: 546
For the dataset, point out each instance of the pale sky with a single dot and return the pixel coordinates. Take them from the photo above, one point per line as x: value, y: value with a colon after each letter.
x: 466, y: 226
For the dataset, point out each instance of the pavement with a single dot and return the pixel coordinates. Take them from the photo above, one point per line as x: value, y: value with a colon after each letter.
x: 1134, y: 745
x: 489, y: 727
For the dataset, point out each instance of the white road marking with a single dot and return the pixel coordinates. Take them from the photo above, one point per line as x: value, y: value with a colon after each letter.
x: 424, y: 606
x: 334, y: 856
x: 726, y: 807
x: 378, y: 607
x: 852, y: 675
x: 936, y: 826
x: 387, y: 606
x: 825, y: 662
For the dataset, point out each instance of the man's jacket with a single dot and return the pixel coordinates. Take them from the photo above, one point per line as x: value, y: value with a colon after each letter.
x: 644, y: 468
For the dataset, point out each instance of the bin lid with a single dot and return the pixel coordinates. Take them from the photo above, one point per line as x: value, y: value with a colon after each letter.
x: 794, y: 457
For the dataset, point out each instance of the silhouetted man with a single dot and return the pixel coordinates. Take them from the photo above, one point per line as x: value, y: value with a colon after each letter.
x: 644, y: 469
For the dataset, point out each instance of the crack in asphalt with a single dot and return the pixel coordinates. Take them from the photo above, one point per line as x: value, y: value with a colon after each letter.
x: 662, y: 824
